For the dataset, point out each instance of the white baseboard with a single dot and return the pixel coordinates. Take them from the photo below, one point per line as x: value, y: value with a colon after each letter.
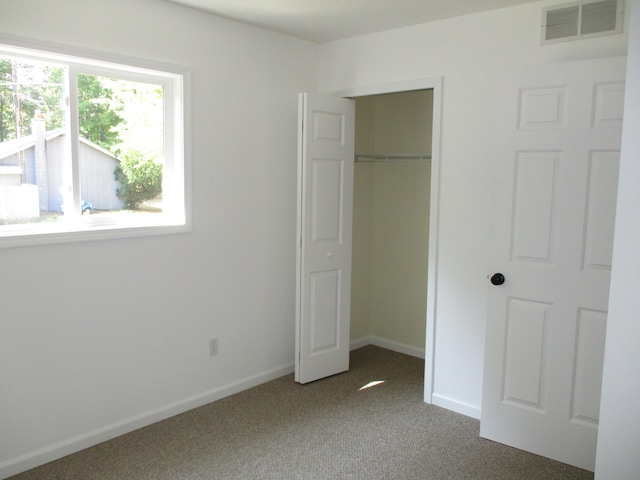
x: 359, y: 343
x: 75, y: 444
x: 388, y: 344
x: 456, y: 406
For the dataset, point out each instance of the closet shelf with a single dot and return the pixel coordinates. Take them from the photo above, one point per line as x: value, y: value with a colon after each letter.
x: 397, y: 157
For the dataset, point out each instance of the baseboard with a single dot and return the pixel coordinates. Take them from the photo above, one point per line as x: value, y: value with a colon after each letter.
x: 456, y: 406
x: 388, y: 344
x: 81, y: 442
x: 76, y: 444
x: 359, y: 343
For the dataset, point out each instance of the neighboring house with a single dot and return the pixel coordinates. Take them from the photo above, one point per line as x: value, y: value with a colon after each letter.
x: 38, y: 159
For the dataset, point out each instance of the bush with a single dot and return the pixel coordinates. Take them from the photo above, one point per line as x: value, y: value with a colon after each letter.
x: 140, y: 179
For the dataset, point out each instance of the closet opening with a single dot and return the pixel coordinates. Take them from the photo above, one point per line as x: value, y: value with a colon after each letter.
x: 391, y: 218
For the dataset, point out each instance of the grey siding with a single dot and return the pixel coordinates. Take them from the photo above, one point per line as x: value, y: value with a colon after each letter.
x: 97, y: 183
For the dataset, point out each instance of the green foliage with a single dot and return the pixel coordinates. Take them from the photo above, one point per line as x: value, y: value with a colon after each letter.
x: 25, y: 88
x: 51, y: 105
x: 7, y: 122
x: 97, y: 112
x: 140, y: 179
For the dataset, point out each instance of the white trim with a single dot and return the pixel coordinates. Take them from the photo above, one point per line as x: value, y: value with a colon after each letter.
x: 299, y: 179
x: 456, y: 406
x: 392, y: 87
x: 398, y: 347
x: 66, y: 53
x: 73, y: 445
x: 435, y: 83
x: 359, y: 343
x: 388, y: 344
x: 434, y: 225
x: 81, y: 231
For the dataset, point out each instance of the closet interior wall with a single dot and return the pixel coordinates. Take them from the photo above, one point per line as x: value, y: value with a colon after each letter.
x: 391, y: 219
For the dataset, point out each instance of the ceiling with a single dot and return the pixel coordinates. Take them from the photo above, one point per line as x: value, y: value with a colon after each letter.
x: 326, y: 20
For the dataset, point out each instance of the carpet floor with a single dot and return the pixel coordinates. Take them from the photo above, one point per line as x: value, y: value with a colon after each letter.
x: 329, y: 429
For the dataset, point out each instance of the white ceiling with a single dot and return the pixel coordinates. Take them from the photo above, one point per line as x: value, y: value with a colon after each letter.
x: 326, y: 20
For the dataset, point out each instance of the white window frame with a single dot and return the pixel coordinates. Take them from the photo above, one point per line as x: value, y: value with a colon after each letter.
x: 176, y: 206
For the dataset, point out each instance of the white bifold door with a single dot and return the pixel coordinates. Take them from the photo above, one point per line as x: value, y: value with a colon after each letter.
x: 552, y: 246
x: 325, y: 201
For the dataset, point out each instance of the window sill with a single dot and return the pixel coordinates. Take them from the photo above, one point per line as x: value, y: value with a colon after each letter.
x: 83, y: 229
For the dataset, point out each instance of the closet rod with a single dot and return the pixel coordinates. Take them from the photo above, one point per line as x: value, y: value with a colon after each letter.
x: 398, y: 157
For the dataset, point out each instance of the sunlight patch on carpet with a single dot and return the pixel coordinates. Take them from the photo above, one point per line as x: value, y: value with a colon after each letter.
x: 371, y: 384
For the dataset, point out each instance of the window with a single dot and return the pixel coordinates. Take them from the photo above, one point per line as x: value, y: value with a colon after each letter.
x: 89, y: 148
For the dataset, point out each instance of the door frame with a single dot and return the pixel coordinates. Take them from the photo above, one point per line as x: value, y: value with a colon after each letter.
x: 435, y: 84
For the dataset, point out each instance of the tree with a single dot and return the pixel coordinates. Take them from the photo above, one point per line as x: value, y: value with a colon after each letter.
x: 27, y: 87
x: 140, y: 179
x: 97, y: 112
x: 52, y: 98
x: 7, y: 123
x: 24, y: 89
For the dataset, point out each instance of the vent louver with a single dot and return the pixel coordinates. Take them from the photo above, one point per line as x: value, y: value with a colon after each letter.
x: 581, y: 20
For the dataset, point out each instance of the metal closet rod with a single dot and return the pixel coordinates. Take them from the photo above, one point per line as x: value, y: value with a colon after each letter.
x: 396, y: 157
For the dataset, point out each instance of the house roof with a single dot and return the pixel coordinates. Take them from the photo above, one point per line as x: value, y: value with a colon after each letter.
x: 14, y: 146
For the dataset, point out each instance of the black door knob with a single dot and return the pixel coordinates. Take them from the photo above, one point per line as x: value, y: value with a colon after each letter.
x: 497, y: 279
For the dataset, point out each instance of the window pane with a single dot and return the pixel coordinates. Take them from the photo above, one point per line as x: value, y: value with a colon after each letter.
x: 121, y: 151
x: 87, y: 136
x: 32, y: 127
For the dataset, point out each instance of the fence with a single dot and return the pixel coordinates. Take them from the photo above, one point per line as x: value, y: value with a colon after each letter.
x: 19, y: 203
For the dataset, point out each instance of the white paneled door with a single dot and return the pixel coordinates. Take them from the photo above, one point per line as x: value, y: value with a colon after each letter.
x: 325, y: 201
x: 553, y: 238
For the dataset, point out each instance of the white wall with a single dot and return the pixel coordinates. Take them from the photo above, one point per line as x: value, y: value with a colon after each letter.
x: 101, y: 337
x: 619, y: 434
x: 470, y: 53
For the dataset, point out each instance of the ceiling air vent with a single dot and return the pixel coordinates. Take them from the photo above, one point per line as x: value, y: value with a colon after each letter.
x: 582, y: 20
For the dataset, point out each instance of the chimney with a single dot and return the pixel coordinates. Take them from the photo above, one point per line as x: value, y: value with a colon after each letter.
x: 38, y: 129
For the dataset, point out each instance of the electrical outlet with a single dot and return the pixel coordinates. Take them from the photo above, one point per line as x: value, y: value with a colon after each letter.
x: 213, y: 347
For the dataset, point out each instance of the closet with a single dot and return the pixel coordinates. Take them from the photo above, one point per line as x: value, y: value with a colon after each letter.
x: 391, y: 219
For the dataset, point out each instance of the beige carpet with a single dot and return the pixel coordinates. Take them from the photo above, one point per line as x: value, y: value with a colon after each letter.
x: 325, y: 430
